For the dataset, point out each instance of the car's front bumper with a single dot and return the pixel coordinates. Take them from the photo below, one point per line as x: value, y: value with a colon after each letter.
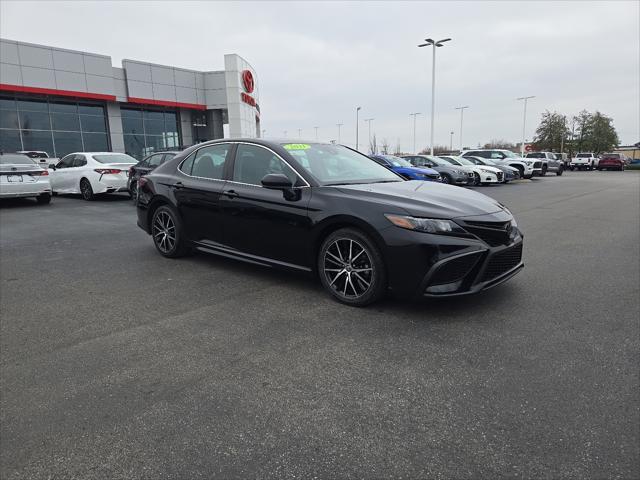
x: 419, y: 264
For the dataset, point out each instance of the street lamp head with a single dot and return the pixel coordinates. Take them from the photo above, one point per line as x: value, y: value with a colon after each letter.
x: 424, y: 45
x: 429, y: 40
x: 359, y: 108
x: 440, y: 42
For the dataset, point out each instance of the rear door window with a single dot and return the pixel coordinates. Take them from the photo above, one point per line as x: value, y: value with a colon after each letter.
x: 155, y: 160
x: 209, y: 161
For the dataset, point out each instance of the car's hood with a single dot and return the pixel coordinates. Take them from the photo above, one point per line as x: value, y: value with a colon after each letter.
x: 489, y: 168
x: 426, y: 199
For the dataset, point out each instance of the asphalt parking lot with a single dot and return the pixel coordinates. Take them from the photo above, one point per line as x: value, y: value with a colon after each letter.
x: 119, y: 363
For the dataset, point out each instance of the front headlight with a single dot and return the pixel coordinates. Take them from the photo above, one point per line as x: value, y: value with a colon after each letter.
x: 427, y: 225
x: 485, y: 170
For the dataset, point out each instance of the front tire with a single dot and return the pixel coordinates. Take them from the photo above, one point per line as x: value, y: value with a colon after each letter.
x: 560, y: 171
x: 43, y: 199
x: 86, y: 190
x: 446, y: 178
x: 544, y: 171
x: 351, y: 268
x: 167, y: 233
x: 476, y: 179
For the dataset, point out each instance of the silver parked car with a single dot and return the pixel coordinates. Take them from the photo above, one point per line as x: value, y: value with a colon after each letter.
x: 22, y: 177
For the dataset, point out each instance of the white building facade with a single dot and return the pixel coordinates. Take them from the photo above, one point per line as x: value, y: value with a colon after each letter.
x: 63, y: 101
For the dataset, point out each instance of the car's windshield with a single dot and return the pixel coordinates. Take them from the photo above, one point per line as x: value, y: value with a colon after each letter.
x: 438, y: 161
x: 535, y: 155
x: 396, y: 161
x: 36, y: 154
x: 584, y: 155
x: 464, y: 161
x: 115, y: 158
x: 452, y: 161
x: 487, y: 161
x: 510, y: 154
x: 338, y: 165
x: 15, y: 160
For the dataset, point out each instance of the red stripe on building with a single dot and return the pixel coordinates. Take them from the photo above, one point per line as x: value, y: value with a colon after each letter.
x: 166, y: 103
x: 52, y: 91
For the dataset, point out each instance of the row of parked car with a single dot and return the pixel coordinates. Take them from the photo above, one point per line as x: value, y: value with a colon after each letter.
x: 472, y: 167
x: 34, y: 174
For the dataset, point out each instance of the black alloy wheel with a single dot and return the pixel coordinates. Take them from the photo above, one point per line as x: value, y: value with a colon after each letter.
x: 476, y: 179
x: 351, y: 268
x: 446, y: 178
x: 544, y: 171
x: 560, y: 170
x: 86, y: 190
x: 166, y: 230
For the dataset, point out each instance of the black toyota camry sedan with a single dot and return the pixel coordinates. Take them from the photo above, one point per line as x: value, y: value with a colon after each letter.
x: 331, y: 211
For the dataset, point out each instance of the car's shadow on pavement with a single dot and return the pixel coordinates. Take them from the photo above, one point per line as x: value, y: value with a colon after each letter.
x: 452, y: 309
x: 19, y: 203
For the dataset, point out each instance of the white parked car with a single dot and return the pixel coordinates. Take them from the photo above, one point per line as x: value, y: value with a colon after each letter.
x: 527, y: 168
x: 91, y: 173
x: 586, y: 160
x: 22, y: 177
x: 483, y: 174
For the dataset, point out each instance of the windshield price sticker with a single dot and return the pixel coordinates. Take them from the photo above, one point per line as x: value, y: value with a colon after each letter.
x: 297, y: 146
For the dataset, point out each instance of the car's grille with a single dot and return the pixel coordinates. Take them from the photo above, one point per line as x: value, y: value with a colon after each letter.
x: 537, y: 164
x: 500, y: 176
x: 493, y: 233
x: 502, y: 263
x: 455, y: 269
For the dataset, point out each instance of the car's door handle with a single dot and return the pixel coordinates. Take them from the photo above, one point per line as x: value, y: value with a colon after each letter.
x: 231, y: 194
x: 178, y: 185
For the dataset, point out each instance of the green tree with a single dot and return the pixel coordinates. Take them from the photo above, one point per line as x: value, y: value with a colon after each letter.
x: 552, y: 132
x: 594, y: 132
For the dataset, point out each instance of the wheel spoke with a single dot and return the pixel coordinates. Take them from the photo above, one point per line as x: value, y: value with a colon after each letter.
x: 357, y: 275
x: 339, y: 252
x: 350, y: 250
x: 354, y: 258
x: 352, y: 286
x: 336, y: 277
x: 336, y: 260
x: 361, y: 270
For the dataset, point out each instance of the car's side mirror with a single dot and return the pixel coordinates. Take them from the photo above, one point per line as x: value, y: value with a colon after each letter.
x: 52, y: 166
x: 276, y: 181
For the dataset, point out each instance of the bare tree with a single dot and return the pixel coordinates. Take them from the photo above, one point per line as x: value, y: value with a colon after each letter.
x: 437, y: 150
x: 384, y: 148
x: 373, y: 148
x: 397, y: 150
x: 499, y: 143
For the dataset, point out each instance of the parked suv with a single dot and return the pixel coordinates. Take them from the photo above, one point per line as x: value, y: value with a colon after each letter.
x: 527, y: 168
x: 584, y: 160
x: 612, y: 161
x: 549, y: 162
x: 144, y: 167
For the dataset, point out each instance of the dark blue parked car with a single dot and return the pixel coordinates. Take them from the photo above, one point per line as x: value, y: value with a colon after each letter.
x: 404, y: 168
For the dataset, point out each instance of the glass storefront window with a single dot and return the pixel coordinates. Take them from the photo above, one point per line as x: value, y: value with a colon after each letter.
x: 9, y: 119
x: 57, y: 127
x: 95, y: 142
x: 65, y: 121
x: 92, y: 123
x: 37, y: 140
x: 148, y: 131
x: 67, y: 142
x: 35, y: 120
x: 10, y: 140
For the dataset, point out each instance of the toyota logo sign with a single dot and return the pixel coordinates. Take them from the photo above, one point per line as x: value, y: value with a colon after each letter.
x: 247, y: 81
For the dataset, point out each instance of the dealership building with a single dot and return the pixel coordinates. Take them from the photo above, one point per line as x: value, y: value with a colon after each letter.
x: 63, y: 101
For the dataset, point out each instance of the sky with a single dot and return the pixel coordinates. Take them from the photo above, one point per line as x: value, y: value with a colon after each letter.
x: 317, y: 61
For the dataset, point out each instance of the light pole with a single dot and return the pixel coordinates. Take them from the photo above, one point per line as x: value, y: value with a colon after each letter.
x: 414, y: 115
x: 357, y: 125
x: 316, y: 133
x: 339, y: 125
x: 285, y: 134
x: 435, y: 44
x: 369, y: 120
x: 299, y: 132
x: 451, y: 142
x: 524, y: 120
x: 461, y: 118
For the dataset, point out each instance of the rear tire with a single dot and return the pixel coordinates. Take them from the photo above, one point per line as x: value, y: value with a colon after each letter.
x: 167, y: 233
x: 43, y: 199
x: 86, y: 190
x: 351, y: 268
